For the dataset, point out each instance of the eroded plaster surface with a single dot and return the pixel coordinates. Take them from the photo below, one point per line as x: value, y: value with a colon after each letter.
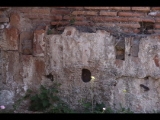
x: 133, y: 82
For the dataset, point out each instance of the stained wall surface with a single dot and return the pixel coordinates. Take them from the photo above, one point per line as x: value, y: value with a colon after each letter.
x: 119, y: 52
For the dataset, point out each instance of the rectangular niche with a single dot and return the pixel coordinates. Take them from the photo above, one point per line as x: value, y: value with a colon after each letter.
x: 134, y: 47
x: 120, y: 48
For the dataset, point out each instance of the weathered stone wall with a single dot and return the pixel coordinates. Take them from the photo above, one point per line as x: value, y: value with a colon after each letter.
x: 117, y: 81
x: 34, y: 42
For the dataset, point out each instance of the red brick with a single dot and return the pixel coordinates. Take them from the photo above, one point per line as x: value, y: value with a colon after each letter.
x: 105, y: 24
x: 157, y: 26
x: 145, y: 9
x: 14, y: 20
x: 39, y: 67
x: 78, y: 18
x: 110, y: 19
x: 24, y: 9
x: 132, y: 30
x: 108, y: 8
x: 31, y: 16
x: 96, y: 8
x: 91, y: 13
x: 39, y: 71
x: 59, y: 7
x: 155, y: 8
x: 108, y: 13
x: 48, y: 17
x: 56, y: 17
x: 85, y: 13
x: 77, y: 8
x: 12, y: 38
x: 134, y: 19
x: 38, y: 43
x: 148, y: 20
x: 59, y: 23
x: 66, y: 17
x: 4, y: 19
x: 138, y: 19
x: 120, y: 19
x: 4, y: 8
x: 157, y: 19
x: 61, y: 12
x: 41, y: 10
x: 136, y: 30
x: 128, y: 25
x: 150, y: 31
x: 81, y: 23
x: 130, y: 14
x: 127, y: 30
x: 38, y: 22
x: 120, y: 8
x: 78, y: 12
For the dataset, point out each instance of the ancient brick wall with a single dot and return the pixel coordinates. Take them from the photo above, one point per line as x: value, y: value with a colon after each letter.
x: 23, y: 21
x: 30, y: 38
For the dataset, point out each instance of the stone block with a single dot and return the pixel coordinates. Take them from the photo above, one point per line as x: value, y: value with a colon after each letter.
x: 15, y: 20
x: 26, y: 39
x: 38, y: 43
x: 11, y: 68
x: 33, y: 71
x: 11, y: 39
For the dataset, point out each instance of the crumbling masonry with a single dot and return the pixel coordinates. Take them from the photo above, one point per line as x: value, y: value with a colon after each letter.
x: 119, y: 46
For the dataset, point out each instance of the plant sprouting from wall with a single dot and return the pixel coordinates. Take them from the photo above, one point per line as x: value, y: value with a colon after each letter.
x: 46, y: 100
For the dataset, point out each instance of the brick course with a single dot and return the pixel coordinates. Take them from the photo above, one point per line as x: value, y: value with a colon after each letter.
x: 106, y: 13
x: 130, y: 14
x: 127, y: 18
x: 145, y: 9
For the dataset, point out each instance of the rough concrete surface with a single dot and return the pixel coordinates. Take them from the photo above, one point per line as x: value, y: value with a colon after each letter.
x: 133, y: 82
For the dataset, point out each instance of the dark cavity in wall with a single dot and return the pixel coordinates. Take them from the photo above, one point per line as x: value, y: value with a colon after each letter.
x: 55, y: 29
x: 145, y: 26
x: 86, y: 75
x: 120, y: 48
x: 50, y: 76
